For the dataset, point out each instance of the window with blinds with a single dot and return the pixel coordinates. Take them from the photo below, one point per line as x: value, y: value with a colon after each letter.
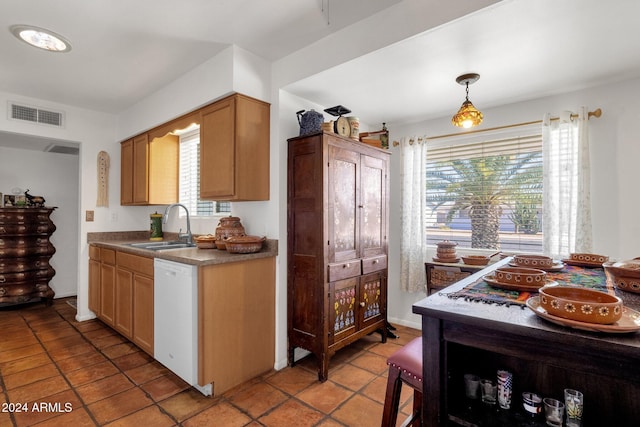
x: 189, y: 187
x: 486, y: 194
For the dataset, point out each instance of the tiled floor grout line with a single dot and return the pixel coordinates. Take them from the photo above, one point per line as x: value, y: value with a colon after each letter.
x: 55, y: 362
x: 99, y: 350
x: 286, y: 394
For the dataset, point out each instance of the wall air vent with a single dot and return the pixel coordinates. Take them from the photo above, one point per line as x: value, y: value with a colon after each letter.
x: 36, y: 115
x: 62, y: 149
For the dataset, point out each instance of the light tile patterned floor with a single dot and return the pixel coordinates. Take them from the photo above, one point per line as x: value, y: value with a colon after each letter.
x: 85, y: 374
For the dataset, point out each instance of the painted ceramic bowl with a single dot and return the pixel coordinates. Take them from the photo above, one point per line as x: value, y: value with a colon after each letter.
x: 521, y: 276
x: 581, y: 304
x: 533, y: 261
x: 244, y: 244
x: 475, y: 259
x: 588, y: 258
x: 206, y: 242
x: 624, y: 275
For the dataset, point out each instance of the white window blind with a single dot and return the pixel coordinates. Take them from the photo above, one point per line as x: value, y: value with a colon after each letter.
x: 486, y: 193
x: 189, y: 187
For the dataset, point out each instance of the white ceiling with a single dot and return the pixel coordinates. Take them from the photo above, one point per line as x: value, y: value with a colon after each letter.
x: 122, y: 51
x: 125, y: 50
x: 522, y: 49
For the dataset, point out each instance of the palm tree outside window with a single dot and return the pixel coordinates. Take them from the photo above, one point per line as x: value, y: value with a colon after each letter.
x: 487, y: 194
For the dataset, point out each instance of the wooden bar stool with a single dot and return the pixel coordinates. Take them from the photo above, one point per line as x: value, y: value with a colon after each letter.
x: 405, y: 366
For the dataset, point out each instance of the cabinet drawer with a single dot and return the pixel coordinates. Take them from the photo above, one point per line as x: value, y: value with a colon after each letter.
x: 369, y: 265
x: 94, y: 252
x: 136, y: 263
x: 108, y: 256
x: 344, y: 270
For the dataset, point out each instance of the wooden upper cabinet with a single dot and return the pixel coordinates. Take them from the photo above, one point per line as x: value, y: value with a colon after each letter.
x: 234, y: 150
x: 234, y: 155
x: 126, y: 172
x: 149, y: 170
x: 140, y: 169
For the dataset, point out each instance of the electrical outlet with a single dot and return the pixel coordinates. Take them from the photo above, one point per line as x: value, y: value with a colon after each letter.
x: 89, y: 216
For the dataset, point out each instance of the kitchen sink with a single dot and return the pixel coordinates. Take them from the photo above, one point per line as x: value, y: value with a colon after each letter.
x: 161, y: 246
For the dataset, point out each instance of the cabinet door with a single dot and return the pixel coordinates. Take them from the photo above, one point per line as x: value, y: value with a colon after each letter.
x: 107, y: 293
x: 372, y: 298
x: 94, y: 286
x: 217, y: 150
x: 126, y: 172
x: 143, y: 312
x: 343, y: 204
x: 343, y: 300
x: 140, y: 169
x: 373, y: 202
x: 124, y: 302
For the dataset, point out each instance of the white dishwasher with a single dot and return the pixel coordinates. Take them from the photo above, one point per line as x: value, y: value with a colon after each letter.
x: 175, y: 316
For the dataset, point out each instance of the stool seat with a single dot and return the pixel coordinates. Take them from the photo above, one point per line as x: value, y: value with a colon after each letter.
x: 405, y: 366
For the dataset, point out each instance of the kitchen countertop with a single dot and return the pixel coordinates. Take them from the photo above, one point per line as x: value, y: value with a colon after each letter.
x: 120, y: 241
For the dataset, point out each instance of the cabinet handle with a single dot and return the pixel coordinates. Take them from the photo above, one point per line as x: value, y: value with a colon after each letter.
x: 2, y: 279
x: 346, y: 265
x: 362, y: 304
x: 375, y: 261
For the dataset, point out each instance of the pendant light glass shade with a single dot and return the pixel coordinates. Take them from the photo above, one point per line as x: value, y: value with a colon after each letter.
x: 468, y: 115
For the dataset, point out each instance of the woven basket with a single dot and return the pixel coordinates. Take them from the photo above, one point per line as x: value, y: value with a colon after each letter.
x: 442, y: 278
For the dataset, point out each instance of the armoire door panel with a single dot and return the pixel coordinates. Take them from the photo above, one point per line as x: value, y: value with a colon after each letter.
x: 373, y: 223
x: 342, y: 305
x: 343, y: 204
x: 372, y: 298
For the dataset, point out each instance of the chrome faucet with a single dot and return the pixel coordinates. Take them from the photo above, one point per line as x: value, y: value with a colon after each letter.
x: 188, y: 235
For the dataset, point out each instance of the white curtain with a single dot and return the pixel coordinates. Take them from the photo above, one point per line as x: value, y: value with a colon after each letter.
x: 413, y: 245
x: 567, y: 199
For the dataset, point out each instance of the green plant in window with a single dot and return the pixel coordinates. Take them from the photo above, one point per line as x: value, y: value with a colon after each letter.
x: 525, y: 217
x: 483, y: 186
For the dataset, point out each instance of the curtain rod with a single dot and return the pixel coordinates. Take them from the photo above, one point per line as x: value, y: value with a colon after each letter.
x: 596, y: 113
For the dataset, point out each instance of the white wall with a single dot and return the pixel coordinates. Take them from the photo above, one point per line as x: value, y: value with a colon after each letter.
x: 94, y: 132
x: 615, y: 173
x: 54, y: 177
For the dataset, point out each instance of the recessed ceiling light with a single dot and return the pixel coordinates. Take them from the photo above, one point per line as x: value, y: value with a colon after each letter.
x: 41, y: 38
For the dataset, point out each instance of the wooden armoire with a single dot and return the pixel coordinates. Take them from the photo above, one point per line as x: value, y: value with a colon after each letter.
x: 338, y: 204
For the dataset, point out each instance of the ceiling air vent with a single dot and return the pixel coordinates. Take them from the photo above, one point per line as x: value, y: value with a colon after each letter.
x: 36, y: 115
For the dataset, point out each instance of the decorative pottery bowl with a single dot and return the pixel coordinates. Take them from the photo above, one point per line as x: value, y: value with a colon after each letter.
x: 446, y: 249
x: 521, y: 276
x: 244, y: 244
x: 589, y: 258
x: 206, y: 242
x: 624, y: 275
x: 533, y: 261
x: 475, y: 259
x: 581, y: 304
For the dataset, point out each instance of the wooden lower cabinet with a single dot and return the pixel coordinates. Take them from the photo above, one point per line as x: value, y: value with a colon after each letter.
x: 121, y: 295
x: 107, y: 286
x: 94, y: 279
x: 124, y: 302
x: 236, y: 312
x: 236, y: 322
x: 143, y: 313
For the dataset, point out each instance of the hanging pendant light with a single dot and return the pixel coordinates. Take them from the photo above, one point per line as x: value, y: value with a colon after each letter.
x: 468, y: 115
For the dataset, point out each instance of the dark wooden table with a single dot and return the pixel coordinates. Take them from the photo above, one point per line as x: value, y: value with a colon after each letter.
x: 474, y: 337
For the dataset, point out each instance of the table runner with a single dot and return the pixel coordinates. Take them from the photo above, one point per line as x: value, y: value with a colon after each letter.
x: 481, y: 291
